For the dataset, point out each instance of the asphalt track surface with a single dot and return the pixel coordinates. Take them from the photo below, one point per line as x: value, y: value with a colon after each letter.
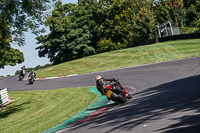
x: 167, y: 98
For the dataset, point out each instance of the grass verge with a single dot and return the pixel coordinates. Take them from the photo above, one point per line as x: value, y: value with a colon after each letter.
x: 36, y: 111
x: 141, y: 55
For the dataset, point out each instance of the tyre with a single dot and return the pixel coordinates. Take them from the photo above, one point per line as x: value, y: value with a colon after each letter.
x: 129, y: 96
x: 31, y: 81
x: 20, y: 78
x: 118, y: 97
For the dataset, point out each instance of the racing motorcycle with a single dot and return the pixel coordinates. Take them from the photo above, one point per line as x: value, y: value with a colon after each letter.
x: 116, y: 93
x: 21, y: 74
x: 31, y: 78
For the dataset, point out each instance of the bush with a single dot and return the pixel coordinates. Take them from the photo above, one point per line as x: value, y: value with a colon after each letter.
x: 17, y: 72
x: 189, y: 30
x: 107, y: 45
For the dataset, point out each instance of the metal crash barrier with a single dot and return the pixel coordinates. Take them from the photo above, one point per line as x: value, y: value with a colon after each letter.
x: 4, y: 98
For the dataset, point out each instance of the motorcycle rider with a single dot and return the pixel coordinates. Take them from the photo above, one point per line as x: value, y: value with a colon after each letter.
x: 33, y: 74
x: 22, y: 71
x: 102, y: 83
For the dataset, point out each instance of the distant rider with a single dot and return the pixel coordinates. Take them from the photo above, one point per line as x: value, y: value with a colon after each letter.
x: 102, y: 83
x: 23, y: 71
x: 32, y: 74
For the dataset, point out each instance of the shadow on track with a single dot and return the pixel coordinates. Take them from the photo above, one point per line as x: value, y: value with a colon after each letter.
x: 176, y: 102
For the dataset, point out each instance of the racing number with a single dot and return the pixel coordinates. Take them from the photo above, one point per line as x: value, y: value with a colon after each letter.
x: 109, y: 93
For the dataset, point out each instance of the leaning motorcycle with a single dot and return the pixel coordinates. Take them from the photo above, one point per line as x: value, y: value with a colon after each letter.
x: 116, y: 93
x: 31, y: 78
x: 21, y: 74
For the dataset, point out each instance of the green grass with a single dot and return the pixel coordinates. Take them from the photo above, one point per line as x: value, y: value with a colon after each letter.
x: 36, y: 111
x: 154, y: 53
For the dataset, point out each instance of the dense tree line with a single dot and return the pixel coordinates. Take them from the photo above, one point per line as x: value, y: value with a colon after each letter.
x: 91, y: 26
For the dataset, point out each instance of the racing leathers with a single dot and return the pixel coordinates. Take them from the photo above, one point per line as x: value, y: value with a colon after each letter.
x: 102, y: 83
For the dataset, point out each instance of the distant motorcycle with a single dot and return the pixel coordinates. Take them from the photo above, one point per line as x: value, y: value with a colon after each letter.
x: 22, y: 74
x: 31, y: 78
x: 116, y: 95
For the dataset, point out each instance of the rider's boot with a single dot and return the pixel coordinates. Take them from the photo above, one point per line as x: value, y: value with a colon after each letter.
x: 127, y: 95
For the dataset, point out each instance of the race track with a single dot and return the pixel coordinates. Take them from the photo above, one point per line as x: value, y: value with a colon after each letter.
x: 167, y: 98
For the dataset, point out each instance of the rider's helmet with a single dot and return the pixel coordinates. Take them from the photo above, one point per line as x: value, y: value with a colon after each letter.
x: 98, y: 77
x: 23, y: 68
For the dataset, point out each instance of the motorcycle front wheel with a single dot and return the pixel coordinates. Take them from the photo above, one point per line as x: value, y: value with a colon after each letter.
x: 31, y: 81
x: 118, y: 97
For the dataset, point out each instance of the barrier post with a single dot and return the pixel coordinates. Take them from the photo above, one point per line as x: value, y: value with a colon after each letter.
x: 4, y: 98
x: 0, y: 101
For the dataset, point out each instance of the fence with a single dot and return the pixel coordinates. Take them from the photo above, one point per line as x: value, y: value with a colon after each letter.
x: 4, y: 98
x: 180, y: 37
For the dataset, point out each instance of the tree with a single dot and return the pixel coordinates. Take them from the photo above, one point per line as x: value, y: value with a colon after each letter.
x: 91, y: 26
x: 107, y: 45
x: 172, y: 11
x: 8, y: 55
x: 129, y: 22
x: 192, y: 12
x: 181, y: 12
x: 17, y: 16
x: 70, y: 36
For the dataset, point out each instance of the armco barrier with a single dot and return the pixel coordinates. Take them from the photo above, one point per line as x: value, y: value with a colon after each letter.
x: 180, y: 37
x: 4, y: 98
x: 172, y: 38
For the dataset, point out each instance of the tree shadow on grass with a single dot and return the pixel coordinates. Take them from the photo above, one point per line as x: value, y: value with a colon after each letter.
x: 11, y: 109
x: 167, y: 103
